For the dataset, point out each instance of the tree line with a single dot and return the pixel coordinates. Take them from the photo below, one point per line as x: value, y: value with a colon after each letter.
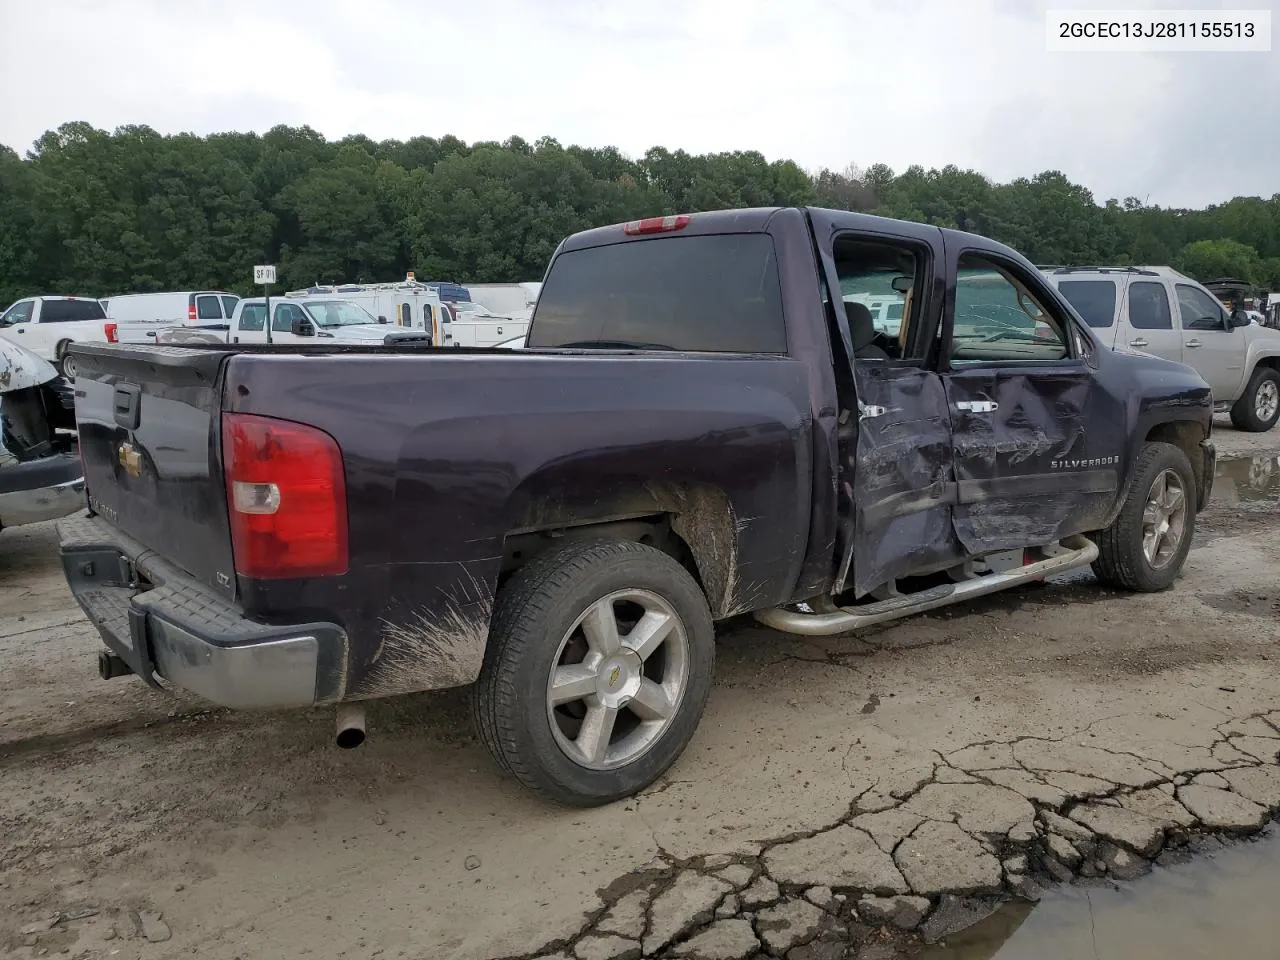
x: 99, y: 213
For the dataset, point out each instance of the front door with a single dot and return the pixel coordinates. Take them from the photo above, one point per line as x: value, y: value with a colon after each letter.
x: 1037, y: 456
x: 895, y: 479
x: 1209, y: 344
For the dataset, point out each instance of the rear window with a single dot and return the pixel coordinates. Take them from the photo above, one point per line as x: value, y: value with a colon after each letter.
x: 208, y: 308
x: 712, y: 293
x: 70, y: 311
x: 229, y: 305
x: 252, y: 316
x: 1094, y: 300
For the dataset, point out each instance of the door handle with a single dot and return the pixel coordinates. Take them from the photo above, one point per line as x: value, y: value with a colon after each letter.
x: 978, y: 406
x: 1192, y: 343
x: 1139, y: 342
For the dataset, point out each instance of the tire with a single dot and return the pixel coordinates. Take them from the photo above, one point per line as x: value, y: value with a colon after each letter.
x: 1122, y: 560
x: 1258, y: 408
x: 536, y: 627
x: 66, y: 365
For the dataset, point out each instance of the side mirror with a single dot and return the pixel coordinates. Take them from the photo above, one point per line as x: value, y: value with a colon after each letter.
x: 381, y: 318
x: 1238, y: 319
x: 302, y: 328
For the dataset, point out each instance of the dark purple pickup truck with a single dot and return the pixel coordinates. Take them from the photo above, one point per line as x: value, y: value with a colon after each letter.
x: 826, y: 419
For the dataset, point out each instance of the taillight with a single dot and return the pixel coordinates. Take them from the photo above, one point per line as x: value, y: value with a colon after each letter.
x: 656, y: 225
x: 112, y: 332
x: 286, y: 496
x: 191, y: 311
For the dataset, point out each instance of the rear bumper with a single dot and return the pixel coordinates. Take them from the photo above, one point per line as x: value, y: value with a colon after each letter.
x: 1209, y: 462
x: 38, y: 490
x: 165, y: 625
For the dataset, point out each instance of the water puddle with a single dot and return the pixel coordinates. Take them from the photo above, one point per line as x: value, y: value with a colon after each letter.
x: 1247, y: 480
x: 1219, y: 906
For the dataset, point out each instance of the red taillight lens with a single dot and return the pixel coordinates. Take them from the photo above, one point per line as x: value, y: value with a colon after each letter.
x: 191, y: 311
x: 286, y: 496
x: 656, y: 225
x: 112, y: 331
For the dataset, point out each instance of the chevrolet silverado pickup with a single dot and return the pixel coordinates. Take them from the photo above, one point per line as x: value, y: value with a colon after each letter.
x: 704, y: 422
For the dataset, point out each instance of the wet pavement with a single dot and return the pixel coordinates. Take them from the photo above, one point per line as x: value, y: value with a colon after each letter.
x: 1247, y: 480
x: 1219, y: 906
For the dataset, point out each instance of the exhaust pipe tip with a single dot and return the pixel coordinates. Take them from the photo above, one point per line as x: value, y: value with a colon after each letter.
x: 350, y: 725
x: 111, y: 666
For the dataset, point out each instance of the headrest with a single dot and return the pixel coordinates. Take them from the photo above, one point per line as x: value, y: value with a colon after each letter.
x: 862, y: 329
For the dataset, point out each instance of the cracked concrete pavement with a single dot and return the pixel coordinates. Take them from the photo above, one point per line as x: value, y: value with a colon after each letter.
x: 848, y: 796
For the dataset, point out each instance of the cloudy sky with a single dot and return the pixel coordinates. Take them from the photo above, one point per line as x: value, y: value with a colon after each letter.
x: 823, y: 82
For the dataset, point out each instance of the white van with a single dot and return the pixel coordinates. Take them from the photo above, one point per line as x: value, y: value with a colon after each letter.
x: 188, y: 308
x: 298, y: 320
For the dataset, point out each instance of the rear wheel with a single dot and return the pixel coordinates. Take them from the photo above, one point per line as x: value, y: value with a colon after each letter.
x: 66, y: 364
x: 597, y: 671
x: 1146, y: 546
x: 1258, y: 408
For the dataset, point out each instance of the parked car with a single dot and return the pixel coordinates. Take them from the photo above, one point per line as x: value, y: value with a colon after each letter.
x: 1159, y: 311
x: 40, y: 475
x: 295, y: 320
x: 210, y: 309
x: 48, y: 325
x: 697, y: 429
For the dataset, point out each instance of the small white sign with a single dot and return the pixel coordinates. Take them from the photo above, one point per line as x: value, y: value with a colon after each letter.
x: 264, y: 274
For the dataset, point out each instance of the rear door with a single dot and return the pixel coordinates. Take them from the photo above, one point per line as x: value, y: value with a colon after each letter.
x: 1148, y: 320
x: 1036, y: 453
x: 895, y: 478
x: 209, y: 310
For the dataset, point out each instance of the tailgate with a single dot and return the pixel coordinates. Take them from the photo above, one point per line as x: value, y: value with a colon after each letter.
x: 148, y: 418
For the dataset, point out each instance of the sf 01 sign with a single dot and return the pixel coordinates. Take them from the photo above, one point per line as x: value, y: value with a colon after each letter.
x: 264, y: 275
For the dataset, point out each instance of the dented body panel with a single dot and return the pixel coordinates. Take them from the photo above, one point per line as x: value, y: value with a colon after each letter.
x: 768, y: 473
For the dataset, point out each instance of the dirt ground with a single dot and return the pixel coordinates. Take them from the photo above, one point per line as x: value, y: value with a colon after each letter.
x: 836, y: 790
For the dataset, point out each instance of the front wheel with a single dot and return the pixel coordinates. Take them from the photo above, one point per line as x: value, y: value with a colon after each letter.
x: 1258, y: 408
x: 1146, y: 546
x: 597, y: 671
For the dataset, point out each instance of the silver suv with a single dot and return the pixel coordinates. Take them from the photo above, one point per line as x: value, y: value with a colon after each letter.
x: 1159, y: 311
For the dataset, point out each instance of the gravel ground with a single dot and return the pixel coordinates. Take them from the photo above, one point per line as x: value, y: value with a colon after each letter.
x: 852, y: 796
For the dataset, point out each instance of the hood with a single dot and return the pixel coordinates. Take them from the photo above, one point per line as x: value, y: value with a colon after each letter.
x: 359, y: 332
x: 20, y: 368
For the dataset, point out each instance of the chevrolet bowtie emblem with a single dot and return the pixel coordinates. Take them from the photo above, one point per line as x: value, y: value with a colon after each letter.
x: 130, y: 459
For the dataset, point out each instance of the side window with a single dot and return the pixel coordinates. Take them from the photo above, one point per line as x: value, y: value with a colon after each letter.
x: 1149, y: 306
x: 229, y: 305
x: 284, y: 315
x: 252, y: 316
x: 208, y: 308
x: 406, y: 315
x: 427, y: 318
x: 878, y: 281
x: 1199, y: 310
x: 997, y: 319
x: 18, y: 313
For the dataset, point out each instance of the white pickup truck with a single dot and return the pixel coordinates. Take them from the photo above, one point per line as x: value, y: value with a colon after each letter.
x: 1159, y: 311
x: 48, y: 325
x: 293, y: 320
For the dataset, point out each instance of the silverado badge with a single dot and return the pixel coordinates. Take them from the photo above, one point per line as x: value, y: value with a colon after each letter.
x: 130, y: 459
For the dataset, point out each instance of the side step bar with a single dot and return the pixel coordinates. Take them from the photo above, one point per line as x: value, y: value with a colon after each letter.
x: 1079, y: 552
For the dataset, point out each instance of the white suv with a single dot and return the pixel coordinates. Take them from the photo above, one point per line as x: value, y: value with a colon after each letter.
x: 1160, y: 311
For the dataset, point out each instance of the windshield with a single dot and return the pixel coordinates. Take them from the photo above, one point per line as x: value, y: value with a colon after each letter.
x: 465, y: 307
x: 338, y: 313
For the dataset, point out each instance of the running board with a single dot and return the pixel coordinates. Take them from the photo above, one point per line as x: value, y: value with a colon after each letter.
x: 1080, y: 552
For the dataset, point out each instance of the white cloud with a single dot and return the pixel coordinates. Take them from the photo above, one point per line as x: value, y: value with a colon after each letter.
x: 824, y: 82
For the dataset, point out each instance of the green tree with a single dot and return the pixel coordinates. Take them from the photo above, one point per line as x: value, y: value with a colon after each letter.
x: 1210, y: 259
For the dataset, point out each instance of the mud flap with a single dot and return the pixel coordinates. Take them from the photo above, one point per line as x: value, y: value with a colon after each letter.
x: 903, y: 486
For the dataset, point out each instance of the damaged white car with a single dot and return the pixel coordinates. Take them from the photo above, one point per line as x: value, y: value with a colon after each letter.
x: 40, y: 473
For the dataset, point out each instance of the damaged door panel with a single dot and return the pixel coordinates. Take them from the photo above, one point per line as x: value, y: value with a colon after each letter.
x: 903, y: 487
x: 1036, y: 454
